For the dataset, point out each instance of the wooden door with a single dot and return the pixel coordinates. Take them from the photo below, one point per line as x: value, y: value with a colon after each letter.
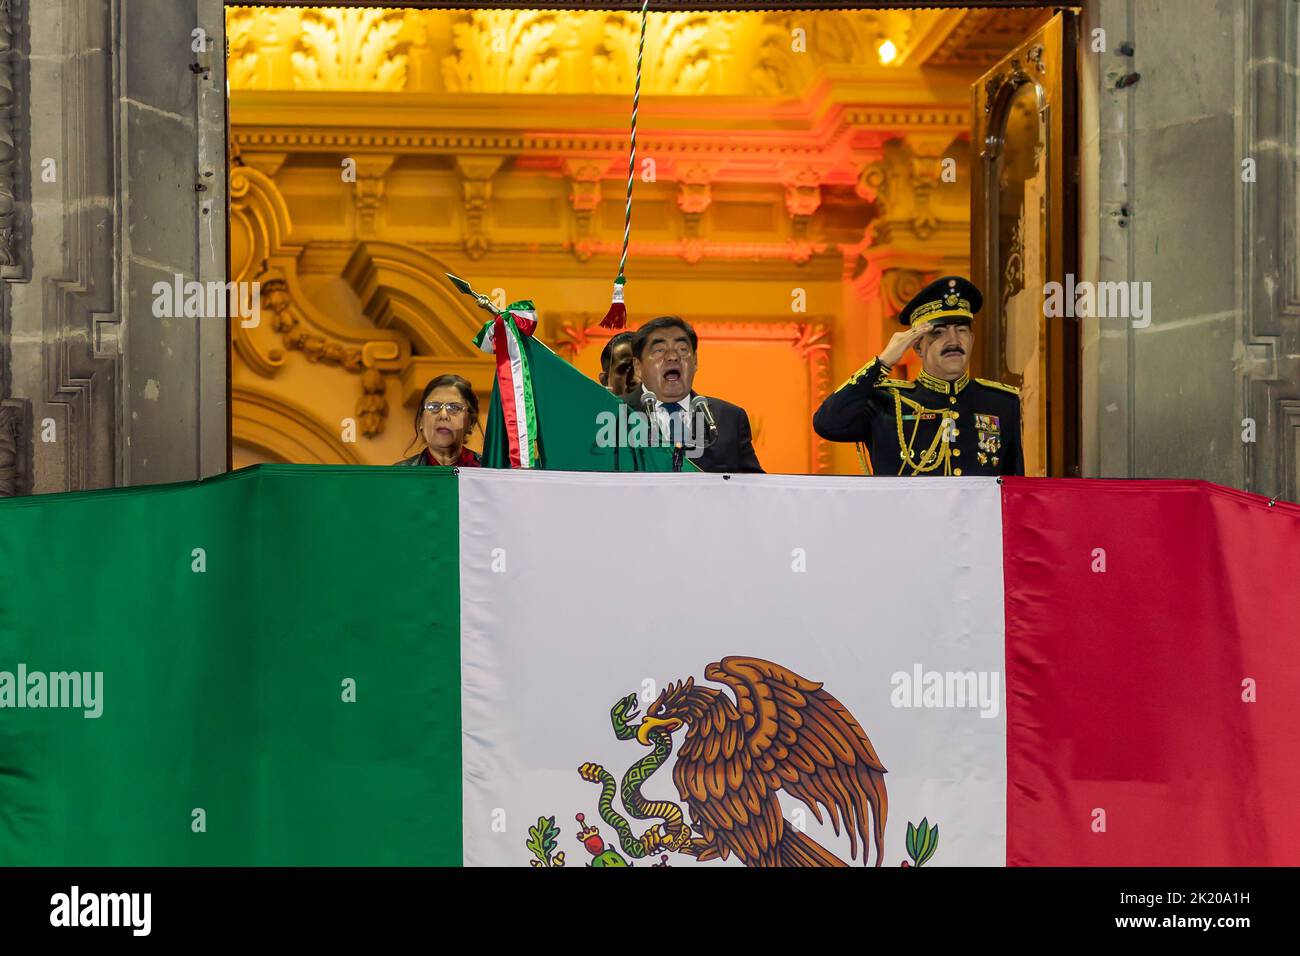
x: 1024, y: 220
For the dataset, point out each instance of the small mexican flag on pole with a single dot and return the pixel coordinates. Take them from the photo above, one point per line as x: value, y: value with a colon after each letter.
x: 503, y: 336
x: 545, y: 414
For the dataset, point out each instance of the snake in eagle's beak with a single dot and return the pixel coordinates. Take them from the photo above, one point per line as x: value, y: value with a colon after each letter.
x: 649, y: 724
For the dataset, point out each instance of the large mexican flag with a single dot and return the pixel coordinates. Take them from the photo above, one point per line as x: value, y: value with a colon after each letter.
x: 334, y: 665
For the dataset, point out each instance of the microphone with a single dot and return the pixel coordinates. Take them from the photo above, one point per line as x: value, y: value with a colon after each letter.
x: 700, y: 404
x: 648, y: 405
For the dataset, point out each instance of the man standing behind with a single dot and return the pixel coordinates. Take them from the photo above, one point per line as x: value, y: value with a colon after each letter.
x: 665, y: 359
x: 616, y: 368
x: 944, y: 423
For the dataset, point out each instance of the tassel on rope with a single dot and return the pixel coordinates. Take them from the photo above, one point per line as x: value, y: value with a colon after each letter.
x: 616, y: 317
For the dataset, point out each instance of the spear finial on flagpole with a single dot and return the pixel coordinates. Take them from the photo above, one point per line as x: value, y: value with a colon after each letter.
x: 483, y: 301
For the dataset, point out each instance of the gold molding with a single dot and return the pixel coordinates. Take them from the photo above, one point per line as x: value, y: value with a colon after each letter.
x: 405, y: 289
x: 341, y: 49
x: 903, y: 184
x: 777, y: 53
x: 290, y: 322
x: 476, y: 192
x: 721, y: 261
x: 283, y: 430
x: 510, y: 162
x: 566, y: 122
x: 257, y: 205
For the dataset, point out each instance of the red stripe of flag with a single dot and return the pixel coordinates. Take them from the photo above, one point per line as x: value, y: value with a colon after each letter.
x: 1125, y: 686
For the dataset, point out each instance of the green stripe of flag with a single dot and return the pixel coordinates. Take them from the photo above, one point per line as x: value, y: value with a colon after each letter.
x: 223, y: 688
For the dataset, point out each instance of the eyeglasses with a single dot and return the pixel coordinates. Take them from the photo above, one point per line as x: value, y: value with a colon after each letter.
x: 453, y: 408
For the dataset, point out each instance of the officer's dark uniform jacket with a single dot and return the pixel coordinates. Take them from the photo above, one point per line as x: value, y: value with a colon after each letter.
x: 904, y: 424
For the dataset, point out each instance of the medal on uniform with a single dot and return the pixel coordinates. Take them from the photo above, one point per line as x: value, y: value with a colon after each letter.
x: 989, y: 430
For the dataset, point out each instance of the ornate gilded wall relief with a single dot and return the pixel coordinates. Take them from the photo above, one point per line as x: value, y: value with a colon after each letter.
x: 493, y: 144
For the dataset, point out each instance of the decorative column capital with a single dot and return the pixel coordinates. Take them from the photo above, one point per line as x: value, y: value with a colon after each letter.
x: 803, y: 192
x: 368, y: 190
x: 694, y: 196
x: 892, y: 277
x: 476, y: 182
x: 803, y: 197
x: 585, y: 177
x: 902, y: 183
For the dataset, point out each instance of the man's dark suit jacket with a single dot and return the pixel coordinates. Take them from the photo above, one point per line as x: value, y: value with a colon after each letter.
x: 733, y: 449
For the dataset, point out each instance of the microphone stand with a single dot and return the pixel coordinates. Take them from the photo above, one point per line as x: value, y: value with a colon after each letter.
x: 704, y: 417
x: 618, y: 439
x: 679, y: 453
x: 648, y: 404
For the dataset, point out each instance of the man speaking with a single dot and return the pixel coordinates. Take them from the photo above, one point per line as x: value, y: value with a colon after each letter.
x: 944, y: 423
x: 665, y: 358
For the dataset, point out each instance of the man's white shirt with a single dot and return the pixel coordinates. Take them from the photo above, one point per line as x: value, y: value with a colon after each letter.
x: 662, y: 416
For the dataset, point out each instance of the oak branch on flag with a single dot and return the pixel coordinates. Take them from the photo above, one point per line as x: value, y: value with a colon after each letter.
x: 503, y: 336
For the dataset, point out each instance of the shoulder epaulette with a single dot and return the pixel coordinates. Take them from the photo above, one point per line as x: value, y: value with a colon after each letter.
x: 878, y: 383
x: 1006, y: 388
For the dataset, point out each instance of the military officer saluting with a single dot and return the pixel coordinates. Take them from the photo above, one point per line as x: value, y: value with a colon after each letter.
x: 945, y: 422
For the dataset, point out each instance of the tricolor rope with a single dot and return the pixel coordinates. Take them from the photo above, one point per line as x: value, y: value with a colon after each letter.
x: 616, y: 317
x: 503, y: 336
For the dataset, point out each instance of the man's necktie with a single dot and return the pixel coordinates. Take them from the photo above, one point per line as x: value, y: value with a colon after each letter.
x: 676, y: 421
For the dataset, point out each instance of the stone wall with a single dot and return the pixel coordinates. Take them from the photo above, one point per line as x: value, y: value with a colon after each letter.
x: 108, y: 152
x: 1164, y: 202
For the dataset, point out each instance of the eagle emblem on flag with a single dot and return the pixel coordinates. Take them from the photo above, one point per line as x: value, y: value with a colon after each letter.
x: 777, y: 732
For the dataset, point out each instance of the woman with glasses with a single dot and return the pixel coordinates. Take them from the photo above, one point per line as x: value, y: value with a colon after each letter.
x: 447, y: 412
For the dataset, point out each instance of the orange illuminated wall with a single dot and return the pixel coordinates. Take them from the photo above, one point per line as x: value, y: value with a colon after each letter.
x: 795, y: 185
